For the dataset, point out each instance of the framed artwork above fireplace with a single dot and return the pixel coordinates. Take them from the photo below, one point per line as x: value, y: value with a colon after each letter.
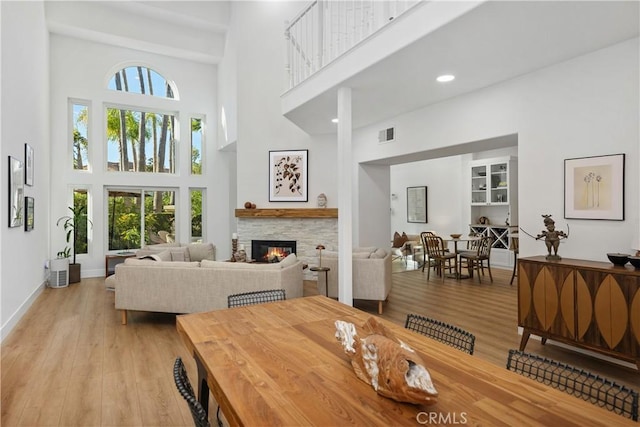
x: 288, y: 176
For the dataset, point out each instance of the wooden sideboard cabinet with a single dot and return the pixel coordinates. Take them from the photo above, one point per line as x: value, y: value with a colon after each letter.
x: 593, y: 305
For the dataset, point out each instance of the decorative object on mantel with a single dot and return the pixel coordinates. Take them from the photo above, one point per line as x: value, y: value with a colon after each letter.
x: 483, y: 220
x: 320, y: 248
x: 288, y: 176
x: 249, y: 205
x: 390, y: 366
x: 234, y: 243
x: 552, y: 237
x: 322, y: 200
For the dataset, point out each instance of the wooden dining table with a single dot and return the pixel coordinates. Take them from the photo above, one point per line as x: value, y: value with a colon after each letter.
x: 280, y: 364
x: 455, y: 241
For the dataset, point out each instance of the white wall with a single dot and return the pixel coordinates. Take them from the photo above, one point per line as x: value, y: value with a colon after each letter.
x: 81, y: 69
x: 583, y: 107
x: 261, y: 126
x: 448, y: 194
x: 24, y: 87
x: 443, y: 178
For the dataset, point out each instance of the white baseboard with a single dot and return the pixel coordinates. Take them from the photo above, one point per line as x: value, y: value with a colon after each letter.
x: 15, y: 318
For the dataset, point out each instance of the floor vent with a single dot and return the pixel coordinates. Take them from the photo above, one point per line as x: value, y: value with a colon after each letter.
x: 386, y: 135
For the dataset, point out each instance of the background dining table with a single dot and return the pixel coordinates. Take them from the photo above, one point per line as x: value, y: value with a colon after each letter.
x: 455, y: 241
x: 280, y: 364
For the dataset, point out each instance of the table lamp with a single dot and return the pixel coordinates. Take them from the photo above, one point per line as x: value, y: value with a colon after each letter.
x: 320, y: 248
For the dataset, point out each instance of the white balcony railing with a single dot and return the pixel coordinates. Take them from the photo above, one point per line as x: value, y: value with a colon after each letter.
x: 326, y: 29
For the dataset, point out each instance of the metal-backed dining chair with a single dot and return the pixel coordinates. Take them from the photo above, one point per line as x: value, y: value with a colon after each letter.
x: 257, y: 297
x: 476, y: 259
x: 443, y: 332
x: 577, y: 382
x: 437, y: 254
x: 183, y: 385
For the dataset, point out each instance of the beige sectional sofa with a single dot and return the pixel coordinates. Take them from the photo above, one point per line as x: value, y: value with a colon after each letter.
x: 371, y: 274
x: 195, y: 286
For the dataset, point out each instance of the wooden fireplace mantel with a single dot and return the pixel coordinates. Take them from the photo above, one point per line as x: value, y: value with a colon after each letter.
x: 288, y: 213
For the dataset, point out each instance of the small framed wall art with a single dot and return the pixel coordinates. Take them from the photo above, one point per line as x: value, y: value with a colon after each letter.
x: 594, y: 187
x: 16, y: 192
x: 417, y: 204
x: 29, y: 218
x: 288, y: 176
x: 28, y: 165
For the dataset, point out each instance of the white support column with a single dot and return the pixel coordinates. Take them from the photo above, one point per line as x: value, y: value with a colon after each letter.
x: 345, y: 195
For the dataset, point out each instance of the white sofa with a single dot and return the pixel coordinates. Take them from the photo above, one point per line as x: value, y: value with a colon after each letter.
x: 196, y: 286
x: 181, y: 251
x: 371, y: 274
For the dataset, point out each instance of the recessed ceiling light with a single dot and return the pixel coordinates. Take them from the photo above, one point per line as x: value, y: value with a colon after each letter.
x: 445, y: 78
x: 334, y: 120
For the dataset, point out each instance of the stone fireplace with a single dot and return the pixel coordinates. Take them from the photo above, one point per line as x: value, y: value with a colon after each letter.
x: 272, y: 250
x: 307, y: 227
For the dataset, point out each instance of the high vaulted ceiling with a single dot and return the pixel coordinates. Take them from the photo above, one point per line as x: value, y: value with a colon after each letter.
x: 193, y: 30
x: 494, y: 42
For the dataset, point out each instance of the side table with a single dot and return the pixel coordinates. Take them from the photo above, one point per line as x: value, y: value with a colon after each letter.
x: 326, y: 277
x: 111, y: 260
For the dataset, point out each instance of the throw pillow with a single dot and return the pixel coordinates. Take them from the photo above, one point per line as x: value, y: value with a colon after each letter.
x: 289, y: 260
x: 200, y: 251
x: 180, y: 254
x: 399, y: 240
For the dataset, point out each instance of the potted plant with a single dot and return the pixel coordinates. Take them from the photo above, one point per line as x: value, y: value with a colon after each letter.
x: 71, y: 223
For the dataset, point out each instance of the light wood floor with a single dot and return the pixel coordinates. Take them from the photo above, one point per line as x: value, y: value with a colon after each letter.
x: 69, y: 362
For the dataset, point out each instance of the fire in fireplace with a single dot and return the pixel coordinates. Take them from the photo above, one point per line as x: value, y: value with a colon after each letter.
x: 272, y: 250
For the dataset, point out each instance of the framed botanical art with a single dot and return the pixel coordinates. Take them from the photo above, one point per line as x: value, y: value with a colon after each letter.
x: 594, y: 187
x: 29, y: 209
x: 288, y: 176
x: 28, y: 164
x: 417, y: 204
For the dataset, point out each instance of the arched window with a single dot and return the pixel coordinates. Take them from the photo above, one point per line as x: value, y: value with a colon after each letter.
x: 142, y: 80
x: 141, y: 139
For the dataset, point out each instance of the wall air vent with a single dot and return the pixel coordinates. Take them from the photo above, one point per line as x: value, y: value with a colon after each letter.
x: 386, y: 135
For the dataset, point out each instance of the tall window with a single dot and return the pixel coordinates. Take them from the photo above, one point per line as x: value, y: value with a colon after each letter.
x: 80, y: 136
x: 196, y: 146
x: 140, y: 141
x: 81, y: 204
x: 196, y: 214
x: 138, y: 217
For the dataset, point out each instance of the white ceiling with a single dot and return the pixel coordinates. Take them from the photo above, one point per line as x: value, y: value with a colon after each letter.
x: 496, y: 41
x: 193, y: 30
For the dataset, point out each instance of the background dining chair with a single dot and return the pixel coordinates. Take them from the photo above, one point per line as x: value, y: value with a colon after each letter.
x: 476, y: 259
x: 577, y: 382
x: 437, y: 255
x: 257, y: 297
x: 181, y: 379
x: 515, y: 248
x: 443, y: 332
